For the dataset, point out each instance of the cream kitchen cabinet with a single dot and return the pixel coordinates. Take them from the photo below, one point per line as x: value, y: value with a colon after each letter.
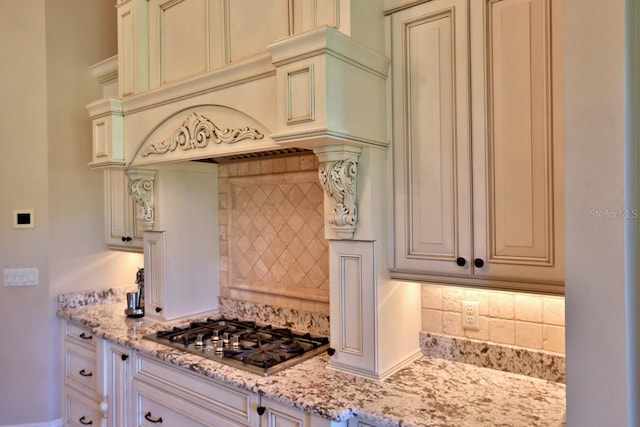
x: 179, y: 397
x: 175, y: 396
x: 119, y: 393
x: 477, y: 134
x: 122, y: 231
x: 161, y: 42
x: 274, y: 414
x: 133, y: 47
x: 83, y: 376
x: 180, y: 206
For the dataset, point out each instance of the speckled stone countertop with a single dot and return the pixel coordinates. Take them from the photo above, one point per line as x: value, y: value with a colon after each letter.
x: 429, y: 392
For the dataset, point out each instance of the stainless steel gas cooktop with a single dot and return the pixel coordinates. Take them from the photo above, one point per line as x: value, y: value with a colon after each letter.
x: 261, y: 349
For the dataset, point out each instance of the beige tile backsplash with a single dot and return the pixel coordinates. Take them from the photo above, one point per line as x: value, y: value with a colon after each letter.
x: 525, y: 320
x: 272, y: 233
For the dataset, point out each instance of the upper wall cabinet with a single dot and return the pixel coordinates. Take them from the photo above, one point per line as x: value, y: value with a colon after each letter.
x: 163, y: 41
x: 290, y: 73
x: 122, y: 231
x: 477, y: 131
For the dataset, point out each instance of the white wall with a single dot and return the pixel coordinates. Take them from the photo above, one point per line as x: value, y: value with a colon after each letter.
x: 595, y: 280
x: 46, y: 48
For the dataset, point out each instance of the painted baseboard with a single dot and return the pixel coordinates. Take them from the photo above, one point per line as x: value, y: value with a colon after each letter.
x: 54, y: 423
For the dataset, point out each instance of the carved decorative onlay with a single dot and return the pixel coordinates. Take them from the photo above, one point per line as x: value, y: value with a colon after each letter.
x: 338, y: 172
x: 196, y: 132
x: 141, y: 189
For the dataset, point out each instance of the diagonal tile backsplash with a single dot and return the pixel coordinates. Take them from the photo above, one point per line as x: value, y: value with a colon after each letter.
x: 272, y: 233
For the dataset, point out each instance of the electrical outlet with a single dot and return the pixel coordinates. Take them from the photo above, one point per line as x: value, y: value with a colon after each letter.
x: 470, y: 315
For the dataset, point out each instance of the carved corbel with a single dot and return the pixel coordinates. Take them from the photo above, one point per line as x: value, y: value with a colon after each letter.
x: 338, y: 176
x: 141, y: 189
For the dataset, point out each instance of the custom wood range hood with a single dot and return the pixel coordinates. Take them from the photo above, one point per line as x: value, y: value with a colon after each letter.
x: 195, y: 89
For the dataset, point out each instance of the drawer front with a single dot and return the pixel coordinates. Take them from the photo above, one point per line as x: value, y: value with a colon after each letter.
x: 81, y: 411
x: 79, y: 334
x: 81, y: 368
x: 227, y: 401
x: 159, y: 407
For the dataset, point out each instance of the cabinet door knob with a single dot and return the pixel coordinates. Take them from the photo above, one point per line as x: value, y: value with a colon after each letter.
x: 331, y: 351
x: 124, y: 357
x: 461, y: 261
x: 126, y: 239
x: 261, y: 410
x: 158, y: 309
x: 147, y: 417
x: 478, y: 262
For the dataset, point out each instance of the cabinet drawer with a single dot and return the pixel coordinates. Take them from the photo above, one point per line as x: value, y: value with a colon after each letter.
x: 80, y: 411
x: 79, y: 334
x: 154, y: 406
x: 81, y: 368
x: 229, y: 402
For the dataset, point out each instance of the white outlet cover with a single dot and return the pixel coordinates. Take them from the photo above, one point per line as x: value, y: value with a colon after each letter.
x: 471, y: 315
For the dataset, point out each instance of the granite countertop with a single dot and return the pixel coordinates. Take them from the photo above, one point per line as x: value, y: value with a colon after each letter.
x: 429, y: 392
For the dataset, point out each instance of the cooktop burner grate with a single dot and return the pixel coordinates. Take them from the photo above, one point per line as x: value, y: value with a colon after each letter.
x: 261, y: 349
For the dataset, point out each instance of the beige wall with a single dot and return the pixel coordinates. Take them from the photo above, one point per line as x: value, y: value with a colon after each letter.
x: 594, y: 177
x: 23, y: 173
x: 46, y: 48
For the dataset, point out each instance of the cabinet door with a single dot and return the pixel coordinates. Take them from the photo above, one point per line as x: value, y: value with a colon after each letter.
x: 153, y: 405
x: 278, y: 415
x: 81, y: 369
x: 154, y: 275
x: 133, y: 69
x: 79, y: 410
x: 517, y: 139
x: 119, y: 383
x: 227, y: 402
x: 430, y: 70
x: 121, y: 226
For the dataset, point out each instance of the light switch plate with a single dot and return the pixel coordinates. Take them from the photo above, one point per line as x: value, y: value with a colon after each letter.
x: 20, y: 276
x: 23, y: 218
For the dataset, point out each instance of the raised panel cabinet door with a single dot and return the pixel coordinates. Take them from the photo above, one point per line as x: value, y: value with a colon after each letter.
x: 353, y: 293
x: 154, y: 274
x: 277, y: 415
x: 121, y: 226
x: 517, y: 139
x: 254, y: 24
x: 179, y: 43
x: 432, y: 187
x: 132, y: 47
x: 80, y: 410
x: 166, y: 406
x: 119, y: 385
